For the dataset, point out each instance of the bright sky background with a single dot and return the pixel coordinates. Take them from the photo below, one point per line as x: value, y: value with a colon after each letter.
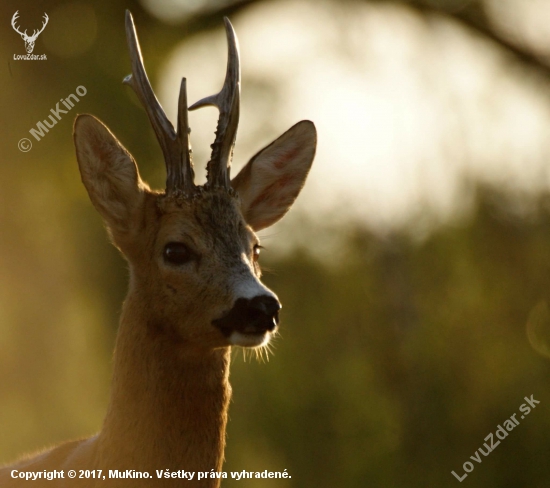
x: 404, y: 108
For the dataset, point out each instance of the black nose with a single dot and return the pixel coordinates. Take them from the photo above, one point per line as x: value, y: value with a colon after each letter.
x: 262, y: 314
x: 266, y: 306
x: 251, y: 316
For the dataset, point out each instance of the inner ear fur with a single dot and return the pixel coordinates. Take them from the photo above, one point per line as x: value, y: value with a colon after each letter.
x: 108, y: 172
x: 270, y: 182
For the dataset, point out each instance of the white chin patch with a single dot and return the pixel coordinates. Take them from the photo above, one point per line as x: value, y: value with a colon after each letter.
x: 249, y: 340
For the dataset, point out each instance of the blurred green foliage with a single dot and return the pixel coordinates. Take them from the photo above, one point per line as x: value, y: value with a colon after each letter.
x: 398, y: 358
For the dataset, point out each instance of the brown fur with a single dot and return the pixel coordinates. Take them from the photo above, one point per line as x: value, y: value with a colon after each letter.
x: 170, y: 390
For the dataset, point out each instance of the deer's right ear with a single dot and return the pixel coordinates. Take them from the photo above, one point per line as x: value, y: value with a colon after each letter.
x: 108, y: 172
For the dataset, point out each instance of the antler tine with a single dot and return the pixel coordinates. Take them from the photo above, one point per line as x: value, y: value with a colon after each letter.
x: 45, y: 23
x: 177, y: 156
x: 13, y: 23
x: 187, y: 174
x: 228, y: 103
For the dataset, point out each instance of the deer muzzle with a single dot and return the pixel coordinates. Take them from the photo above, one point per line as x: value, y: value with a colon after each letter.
x: 256, y: 317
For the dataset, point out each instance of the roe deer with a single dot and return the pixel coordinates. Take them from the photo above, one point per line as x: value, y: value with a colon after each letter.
x: 194, y: 289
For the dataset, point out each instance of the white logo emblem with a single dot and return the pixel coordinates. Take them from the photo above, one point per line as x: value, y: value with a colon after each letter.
x: 29, y: 40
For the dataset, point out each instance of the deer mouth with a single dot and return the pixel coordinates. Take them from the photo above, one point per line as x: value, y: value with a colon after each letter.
x: 251, y: 322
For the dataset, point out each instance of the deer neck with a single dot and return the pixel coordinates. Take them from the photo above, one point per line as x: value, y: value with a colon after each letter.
x: 169, y: 401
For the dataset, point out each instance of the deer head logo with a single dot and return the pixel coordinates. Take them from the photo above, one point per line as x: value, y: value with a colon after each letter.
x: 29, y: 40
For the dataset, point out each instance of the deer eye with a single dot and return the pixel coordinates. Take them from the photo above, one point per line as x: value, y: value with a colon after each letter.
x: 177, y: 253
x: 256, y: 252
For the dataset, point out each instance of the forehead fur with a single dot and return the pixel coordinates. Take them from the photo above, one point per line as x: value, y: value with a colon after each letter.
x: 215, y: 213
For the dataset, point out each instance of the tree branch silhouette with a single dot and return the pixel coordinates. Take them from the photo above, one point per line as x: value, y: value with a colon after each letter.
x: 474, y: 17
x: 471, y: 14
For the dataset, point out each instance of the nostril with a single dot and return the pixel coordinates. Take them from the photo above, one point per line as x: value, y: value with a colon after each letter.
x: 256, y: 315
x: 267, y: 305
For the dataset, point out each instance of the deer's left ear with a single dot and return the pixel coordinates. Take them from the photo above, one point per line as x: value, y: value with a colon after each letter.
x: 273, y: 178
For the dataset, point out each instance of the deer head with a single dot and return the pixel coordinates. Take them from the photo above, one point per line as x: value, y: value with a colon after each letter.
x: 29, y: 40
x: 193, y: 250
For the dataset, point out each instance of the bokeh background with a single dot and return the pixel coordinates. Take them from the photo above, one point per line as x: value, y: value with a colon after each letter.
x: 414, y: 270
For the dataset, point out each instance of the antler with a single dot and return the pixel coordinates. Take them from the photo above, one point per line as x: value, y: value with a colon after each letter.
x: 228, y: 103
x: 175, y: 146
x: 13, y: 19
x: 37, y: 33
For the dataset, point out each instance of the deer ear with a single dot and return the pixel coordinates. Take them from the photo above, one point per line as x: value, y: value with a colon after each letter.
x: 108, y: 172
x: 273, y: 178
